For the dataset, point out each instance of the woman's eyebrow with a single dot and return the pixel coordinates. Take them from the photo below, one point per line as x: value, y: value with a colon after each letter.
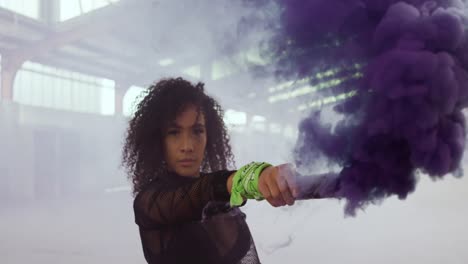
x: 197, y: 125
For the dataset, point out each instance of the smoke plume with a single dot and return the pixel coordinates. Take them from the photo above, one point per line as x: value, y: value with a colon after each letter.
x: 404, y: 68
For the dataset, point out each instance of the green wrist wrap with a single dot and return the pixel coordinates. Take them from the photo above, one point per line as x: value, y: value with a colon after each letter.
x: 245, y: 183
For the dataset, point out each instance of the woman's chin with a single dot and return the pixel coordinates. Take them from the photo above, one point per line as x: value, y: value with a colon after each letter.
x: 188, y: 172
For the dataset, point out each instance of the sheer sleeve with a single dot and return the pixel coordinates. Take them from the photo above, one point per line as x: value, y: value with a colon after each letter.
x: 189, y: 220
x: 161, y: 204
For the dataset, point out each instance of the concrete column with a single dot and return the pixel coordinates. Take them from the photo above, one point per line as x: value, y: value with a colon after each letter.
x: 120, y: 91
x: 49, y: 11
x: 11, y: 172
x: 8, y: 74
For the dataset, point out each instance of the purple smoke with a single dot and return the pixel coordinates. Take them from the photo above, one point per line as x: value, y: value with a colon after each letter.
x: 406, y: 114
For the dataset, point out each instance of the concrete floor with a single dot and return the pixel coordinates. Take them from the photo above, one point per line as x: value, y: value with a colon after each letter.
x: 429, y: 227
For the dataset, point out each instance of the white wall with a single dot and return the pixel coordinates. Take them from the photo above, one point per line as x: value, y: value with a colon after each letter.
x: 61, y: 153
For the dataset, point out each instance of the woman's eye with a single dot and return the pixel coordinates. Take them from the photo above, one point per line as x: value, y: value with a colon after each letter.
x: 199, y: 131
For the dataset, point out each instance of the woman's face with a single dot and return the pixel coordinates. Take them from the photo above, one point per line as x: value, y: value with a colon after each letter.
x: 185, y: 142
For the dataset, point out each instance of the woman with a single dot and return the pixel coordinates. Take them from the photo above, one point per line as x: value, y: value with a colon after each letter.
x: 177, y: 154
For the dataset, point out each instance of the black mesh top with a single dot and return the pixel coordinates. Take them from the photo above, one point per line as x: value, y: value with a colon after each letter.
x: 189, y: 220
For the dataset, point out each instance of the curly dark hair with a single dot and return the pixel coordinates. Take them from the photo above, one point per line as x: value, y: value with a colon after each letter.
x: 143, y: 153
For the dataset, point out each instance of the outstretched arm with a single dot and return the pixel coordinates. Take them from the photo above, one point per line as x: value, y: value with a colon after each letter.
x: 281, y: 185
x: 276, y: 184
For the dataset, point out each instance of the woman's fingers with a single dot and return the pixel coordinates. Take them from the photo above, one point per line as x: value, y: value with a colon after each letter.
x: 284, y: 190
x: 276, y: 195
x: 267, y: 186
x: 288, y: 172
x: 278, y: 184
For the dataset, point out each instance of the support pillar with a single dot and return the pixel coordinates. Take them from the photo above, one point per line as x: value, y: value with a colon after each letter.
x: 8, y: 74
x: 49, y: 11
x: 120, y: 91
x: 9, y: 139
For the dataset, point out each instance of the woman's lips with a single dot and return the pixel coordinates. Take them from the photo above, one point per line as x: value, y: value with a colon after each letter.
x: 186, y: 163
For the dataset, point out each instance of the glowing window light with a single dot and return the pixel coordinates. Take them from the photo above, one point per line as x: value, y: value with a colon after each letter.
x: 131, y: 99
x: 326, y: 100
x: 29, y: 8
x: 316, y: 76
x: 193, y: 71
x: 223, y: 68
x: 290, y: 132
x: 44, y: 86
x: 73, y: 8
x: 311, y: 88
x: 253, y: 56
x: 258, y: 118
x: 232, y: 117
x: 166, y: 62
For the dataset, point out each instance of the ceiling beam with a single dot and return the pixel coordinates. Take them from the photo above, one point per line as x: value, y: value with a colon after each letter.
x: 90, y: 24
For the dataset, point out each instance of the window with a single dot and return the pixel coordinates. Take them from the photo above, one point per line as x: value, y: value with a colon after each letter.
x: 28, y: 8
x: 131, y: 100
x: 45, y: 86
x: 72, y: 8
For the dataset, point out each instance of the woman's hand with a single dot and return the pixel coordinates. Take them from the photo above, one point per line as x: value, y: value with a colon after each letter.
x: 278, y: 185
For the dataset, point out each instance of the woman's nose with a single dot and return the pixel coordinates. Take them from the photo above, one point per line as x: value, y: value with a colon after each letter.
x: 187, y: 144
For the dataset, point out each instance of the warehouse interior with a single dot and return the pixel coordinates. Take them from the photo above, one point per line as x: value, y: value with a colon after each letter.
x: 72, y: 72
